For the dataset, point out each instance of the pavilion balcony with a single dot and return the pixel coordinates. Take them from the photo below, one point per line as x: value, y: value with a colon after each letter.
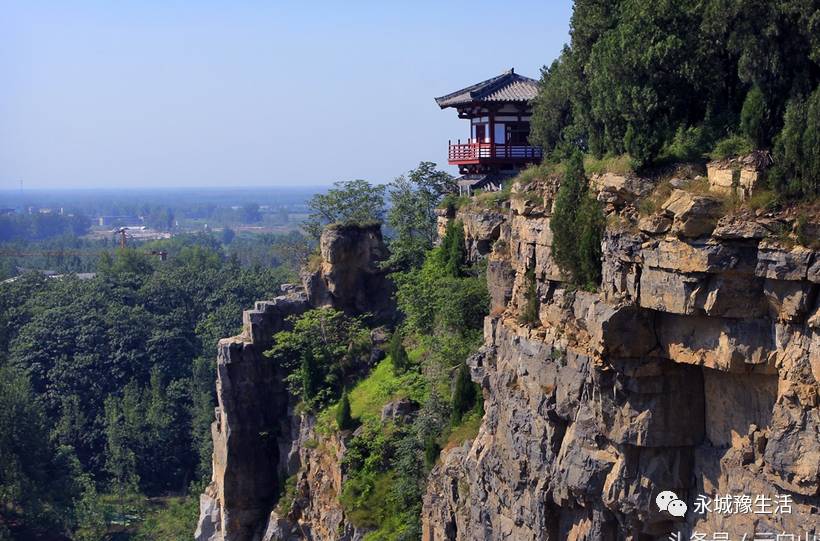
x: 477, y: 153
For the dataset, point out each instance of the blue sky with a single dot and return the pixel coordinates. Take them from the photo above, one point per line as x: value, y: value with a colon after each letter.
x: 232, y: 93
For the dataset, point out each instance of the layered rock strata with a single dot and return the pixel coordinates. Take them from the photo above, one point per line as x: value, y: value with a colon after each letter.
x: 694, y: 369
x: 259, y: 441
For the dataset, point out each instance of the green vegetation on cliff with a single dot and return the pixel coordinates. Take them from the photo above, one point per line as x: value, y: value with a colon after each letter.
x: 676, y: 79
x: 577, y: 227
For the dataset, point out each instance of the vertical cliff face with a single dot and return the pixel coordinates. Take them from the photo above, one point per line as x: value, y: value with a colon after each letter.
x: 694, y: 369
x: 259, y: 441
x: 251, y: 429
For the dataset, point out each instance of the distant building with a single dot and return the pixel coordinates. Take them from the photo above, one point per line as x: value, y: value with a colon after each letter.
x: 119, y: 221
x: 499, y: 111
x: 6, y: 211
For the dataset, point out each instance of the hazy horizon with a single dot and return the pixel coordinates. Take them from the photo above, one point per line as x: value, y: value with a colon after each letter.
x: 219, y: 94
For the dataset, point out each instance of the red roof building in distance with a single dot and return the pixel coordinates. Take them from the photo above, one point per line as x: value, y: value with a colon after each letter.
x: 499, y: 111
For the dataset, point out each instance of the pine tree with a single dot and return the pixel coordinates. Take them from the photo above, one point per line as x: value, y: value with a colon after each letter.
x: 754, y: 117
x: 91, y: 524
x: 590, y: 224
x: 529, y: 313
x: 343, y: 417
x: 458, y: 250
x: 453, y: 249
x: 398, y: 354
x: 310, y: 378
x: 463, y: 395
x: 577, y: 225
x: 121, y: 462
x: 431, y: 452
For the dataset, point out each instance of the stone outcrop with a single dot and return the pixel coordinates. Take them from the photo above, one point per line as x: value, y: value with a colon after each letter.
x: 250, y: 433
x: 259, y: 442
x: 740, y: 176
x: 695, y: 368
x: 349, y: 276
x: 312, y: 510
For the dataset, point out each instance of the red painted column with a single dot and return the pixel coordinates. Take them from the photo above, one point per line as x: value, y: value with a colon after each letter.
x: 492, y: 134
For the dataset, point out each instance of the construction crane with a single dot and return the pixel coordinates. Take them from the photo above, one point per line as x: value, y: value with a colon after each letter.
x: 121, y: 232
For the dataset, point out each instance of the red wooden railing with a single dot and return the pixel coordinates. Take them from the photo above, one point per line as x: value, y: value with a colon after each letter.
x: 463, y: 152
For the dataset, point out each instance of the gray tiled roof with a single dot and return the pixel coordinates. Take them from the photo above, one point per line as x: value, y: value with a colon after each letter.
x: 509, y: 86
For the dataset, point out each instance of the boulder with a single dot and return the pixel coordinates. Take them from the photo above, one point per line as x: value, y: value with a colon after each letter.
x: 693, y: 215
x: 793, y: 448
x: 734, y: 228
x: 721, y: 177
x: 401, y: 410
x: 673, y: 292
x: 734, y: 296
x: 655, y: 224
x: 350, y: 277
x: 618, y: 190
x: 700, y: 256
x: 500, y: 279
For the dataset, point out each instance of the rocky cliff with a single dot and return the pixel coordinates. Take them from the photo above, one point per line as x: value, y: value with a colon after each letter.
x: 693, y: 369
x: 264, y: 451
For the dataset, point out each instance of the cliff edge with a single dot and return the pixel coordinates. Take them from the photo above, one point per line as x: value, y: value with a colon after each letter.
x: 693, y: 369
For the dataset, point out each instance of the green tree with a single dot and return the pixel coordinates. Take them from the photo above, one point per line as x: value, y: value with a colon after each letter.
x: 810, y: 182
x: 590, y: 224
x: 121, y: 462
x: 35, y: 475
x: 309, y: 374
x: 228, y: 235
x: 632, y: 78
x: 552, y: 107
x: 577, y: 226
x: 401, y: 362
x: 464, y: 395
x: 571, y: 193
x: 453, y: 250
x: 796, y: 172
x: 431, y: 451
x: 529, y: 313
x: 322, y: 348
x: 343, y: 418
x: 249, y: 213
x: 91, y: 520
x: 413, y: 201
x: 754, y: 117
x: 348, y: 202
x: 433, y: 300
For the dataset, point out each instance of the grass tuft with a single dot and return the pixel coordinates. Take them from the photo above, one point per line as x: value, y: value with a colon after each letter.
x: 619, y: 165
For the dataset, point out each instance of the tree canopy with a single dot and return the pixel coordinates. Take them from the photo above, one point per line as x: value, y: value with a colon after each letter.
x: 412, y: 217
x: 352, y: 201
x: 642, y: 79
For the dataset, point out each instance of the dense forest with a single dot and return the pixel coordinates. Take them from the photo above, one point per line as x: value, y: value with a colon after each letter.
x: 680, y: 81
x: 107, y: 383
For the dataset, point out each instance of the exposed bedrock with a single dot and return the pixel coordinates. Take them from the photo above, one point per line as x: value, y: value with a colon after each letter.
x: 694, y: 368
x: 349, y: 277
x: 259, y: 441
